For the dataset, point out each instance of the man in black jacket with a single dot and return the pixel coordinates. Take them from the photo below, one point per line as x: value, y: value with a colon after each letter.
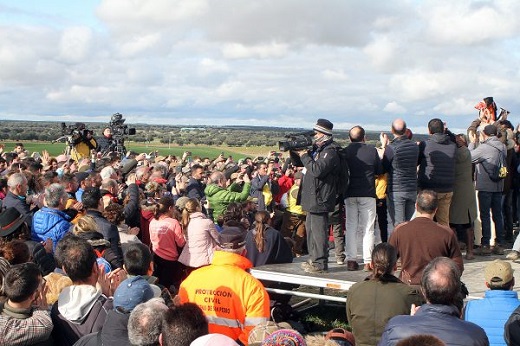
x: 360, y: 201
x: 400, y: 161
x: 437, y: 168
x: 93, y: 204
x: 318, y: 192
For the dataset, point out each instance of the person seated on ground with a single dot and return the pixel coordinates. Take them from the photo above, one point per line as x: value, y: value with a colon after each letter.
x: 145, y: 323
x: 167, y: 239
x: 82, y: 307
x: 182, y: 325
x: 264, y: 244
x: 24, y: 318
x: 381, y: 296
x: 440, y: 316
x: 225, y: 291
x: 492, y: 312
x: 86, y: 228
x: 201, y: 237
x: 138, y: 262
x: 14, y: 227
x: 420, y: 240
x: 128, y: 295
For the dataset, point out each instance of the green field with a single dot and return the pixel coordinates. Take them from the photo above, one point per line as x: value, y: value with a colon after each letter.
x: 202, y: 151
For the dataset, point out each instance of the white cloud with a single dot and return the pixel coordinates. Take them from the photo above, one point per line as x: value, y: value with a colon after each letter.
x: 75, y: 44
x: 335, y: 75
x: 394, y: 107
x: 262, y: 51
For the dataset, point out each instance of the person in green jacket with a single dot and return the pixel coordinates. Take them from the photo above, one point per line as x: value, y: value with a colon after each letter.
x: 219, y: 195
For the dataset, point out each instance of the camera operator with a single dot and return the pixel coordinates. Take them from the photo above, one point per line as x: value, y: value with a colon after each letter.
x: 105, y: 142
x: 318, y: 192
x: 82, y: 143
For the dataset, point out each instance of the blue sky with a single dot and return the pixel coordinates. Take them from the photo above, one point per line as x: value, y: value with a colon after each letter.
x: 263, y: 62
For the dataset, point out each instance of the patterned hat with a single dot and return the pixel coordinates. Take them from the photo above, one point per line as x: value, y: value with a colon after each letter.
x: 285, y: 337
x: 324, y: 126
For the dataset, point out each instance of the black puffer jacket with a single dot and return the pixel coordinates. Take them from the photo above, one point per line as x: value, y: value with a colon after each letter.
x: 400, y: 161
x: 318, y: 192
x: 132, y: 209
x: 437, y: 163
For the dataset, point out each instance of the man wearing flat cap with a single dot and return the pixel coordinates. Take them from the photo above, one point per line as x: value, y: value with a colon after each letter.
x: 233, y: 301
x: 318, y: 192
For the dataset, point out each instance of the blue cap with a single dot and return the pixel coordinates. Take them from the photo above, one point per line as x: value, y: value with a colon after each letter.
x: 131, y: 292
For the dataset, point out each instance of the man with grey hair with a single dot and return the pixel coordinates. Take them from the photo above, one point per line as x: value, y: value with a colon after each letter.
x: 15, y: 198
x: 144, y: 324
x: 219, y: 195
x: 440, y: 316
x: 51, y: 222
x: 233, y: 301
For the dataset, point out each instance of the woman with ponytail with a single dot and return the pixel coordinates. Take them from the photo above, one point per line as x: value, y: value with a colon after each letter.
x: 264, y: 244
x: 201, y: 237
x: 167, y: 239
x: 371, y: 303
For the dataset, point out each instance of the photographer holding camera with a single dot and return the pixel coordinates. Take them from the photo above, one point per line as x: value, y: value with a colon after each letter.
x: 318, y: 192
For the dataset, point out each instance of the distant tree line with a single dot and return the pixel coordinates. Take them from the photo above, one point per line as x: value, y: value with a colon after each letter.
x: 234, y: 136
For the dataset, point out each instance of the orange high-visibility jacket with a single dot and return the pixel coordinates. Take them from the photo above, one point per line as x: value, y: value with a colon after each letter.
x: 233, y: 301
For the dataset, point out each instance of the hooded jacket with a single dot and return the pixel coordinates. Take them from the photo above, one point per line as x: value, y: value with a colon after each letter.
x: 80, y: 310
x: 437, y: 163
x: 486, y: 156
x: 233, y: 301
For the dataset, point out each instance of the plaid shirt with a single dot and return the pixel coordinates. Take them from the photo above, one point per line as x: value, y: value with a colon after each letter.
x: 27, y: 331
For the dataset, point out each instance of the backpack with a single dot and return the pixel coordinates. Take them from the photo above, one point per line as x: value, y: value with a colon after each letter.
x: 499, y: 171
x: 342, y: 173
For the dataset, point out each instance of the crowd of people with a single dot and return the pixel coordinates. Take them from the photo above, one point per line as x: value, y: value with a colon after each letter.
x: 149, y: 250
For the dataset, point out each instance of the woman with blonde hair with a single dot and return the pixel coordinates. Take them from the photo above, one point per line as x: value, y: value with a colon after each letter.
x: 86, y: 228
x: 167, y: 239
x: 201, y: 236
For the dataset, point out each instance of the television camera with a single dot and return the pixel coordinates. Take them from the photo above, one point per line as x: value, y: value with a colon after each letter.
x: 73, y: 135
x: 119, y: 132
x: 297, y: 141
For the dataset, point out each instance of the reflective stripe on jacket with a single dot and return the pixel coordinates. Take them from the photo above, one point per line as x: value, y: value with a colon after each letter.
x: 233, y: 301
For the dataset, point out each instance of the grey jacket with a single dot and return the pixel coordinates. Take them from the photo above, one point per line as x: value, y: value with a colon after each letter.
x: 486, y: 156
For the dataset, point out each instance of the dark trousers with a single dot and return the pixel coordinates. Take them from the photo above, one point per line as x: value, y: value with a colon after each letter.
x: 507, y: 213
x: 317, y: 238
x: 169, y: 273
x: 491, y: 201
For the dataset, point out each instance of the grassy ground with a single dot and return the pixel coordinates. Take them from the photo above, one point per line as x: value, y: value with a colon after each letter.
x: 163, y: 149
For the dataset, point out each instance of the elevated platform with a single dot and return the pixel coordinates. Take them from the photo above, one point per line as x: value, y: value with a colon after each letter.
x: 338, y: 279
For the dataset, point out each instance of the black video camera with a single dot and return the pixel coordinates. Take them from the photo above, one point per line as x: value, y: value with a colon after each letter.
x: 296, y: 141
x: 75, y: 133
x: 118, y: 127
